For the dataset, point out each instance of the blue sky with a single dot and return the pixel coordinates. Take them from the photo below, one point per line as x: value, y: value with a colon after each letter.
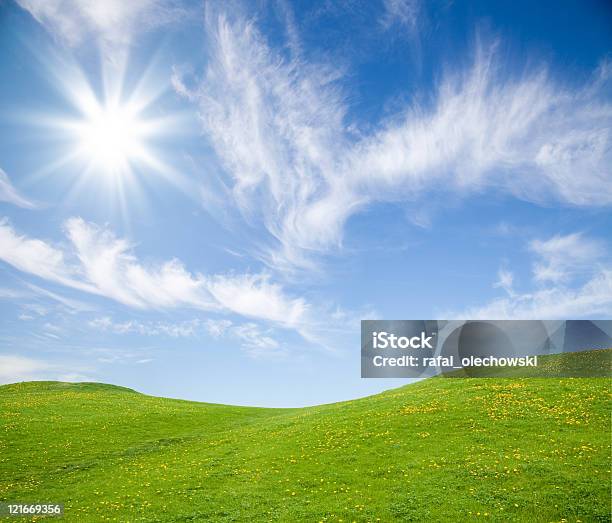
x: 202, y: 199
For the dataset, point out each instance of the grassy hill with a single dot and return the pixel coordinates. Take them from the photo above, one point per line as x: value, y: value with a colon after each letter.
x: 504, y: 449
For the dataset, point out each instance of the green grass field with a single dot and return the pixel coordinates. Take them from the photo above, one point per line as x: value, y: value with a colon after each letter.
x: 503, y: 449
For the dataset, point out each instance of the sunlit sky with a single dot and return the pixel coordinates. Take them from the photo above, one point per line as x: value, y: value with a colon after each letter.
x: 203, y: 199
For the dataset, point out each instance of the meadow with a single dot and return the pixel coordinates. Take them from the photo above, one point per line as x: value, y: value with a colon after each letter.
x: 442, y: 449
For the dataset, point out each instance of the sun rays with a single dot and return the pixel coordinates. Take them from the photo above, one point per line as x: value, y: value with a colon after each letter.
x: 112, y: 136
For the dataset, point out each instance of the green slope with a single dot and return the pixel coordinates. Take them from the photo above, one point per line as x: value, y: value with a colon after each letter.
x: 504, y: 449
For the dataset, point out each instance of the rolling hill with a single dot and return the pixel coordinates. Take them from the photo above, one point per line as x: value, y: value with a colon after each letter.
x: 501, y: 449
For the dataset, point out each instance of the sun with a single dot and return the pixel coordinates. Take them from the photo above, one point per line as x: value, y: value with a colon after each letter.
x: 112, y: 138
x: 116, y: 137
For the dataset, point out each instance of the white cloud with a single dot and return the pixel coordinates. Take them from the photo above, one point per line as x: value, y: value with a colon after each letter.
x: 102, y: 323
x: 217, y: 328
x: 405, y: 13
x: 488, y: 129
x: 555, y: 297
x: 33, y: 297
x: 110, y: 267
x: 561, y: 257
x: 297, y: 166
x: 36, y: 308
x: 505, y: 281
x: 19, y: 368
x: 182, y: 329
x: 256, y: 297
x: 256, y: 342
x: 11, y: 294
x: 52, y: 327
x: 276, y: 127
x: 112, y: 355
x: 37, y: 257
x: 112, y: 22
x: 254, y: 338
x: 593, y: 299
x: 9, y: 194
x: 70, y: 304
x: 102, y: 264
x: 97, y: 262
x: 14, y: 368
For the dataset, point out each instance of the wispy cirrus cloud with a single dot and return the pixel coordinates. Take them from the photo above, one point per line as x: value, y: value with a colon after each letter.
x: 9, y: 194
x: 298, y: 166
x: 405, y: 13
x: 69, y: 304
x: 216, y: 328
x: 593, y: 299
x: 571, y: 279
x: 505, y: 281
x: 490, y: 129
x: 254, y: 295
x: 181, y: 329
x: 38, y: 257
x: 563, y: 256
x: 255, y: 339
x: 98, y: 262
x: 108, y: 265
x: 258, y: 342
x: 276, y: 126
x: 111, y: 22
